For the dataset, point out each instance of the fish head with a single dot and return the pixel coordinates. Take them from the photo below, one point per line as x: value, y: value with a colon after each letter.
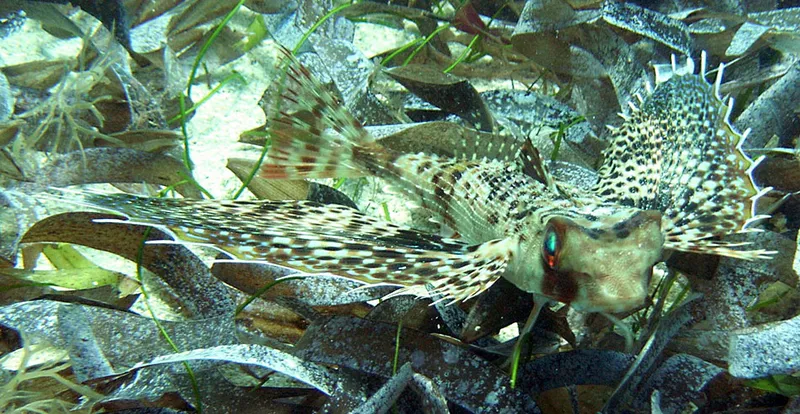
x: 594, y: 263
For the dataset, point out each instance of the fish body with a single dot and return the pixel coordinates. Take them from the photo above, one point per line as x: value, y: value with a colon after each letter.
x: 674, y: 179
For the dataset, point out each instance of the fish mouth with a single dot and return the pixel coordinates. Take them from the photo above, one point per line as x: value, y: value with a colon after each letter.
x: 594, y: 293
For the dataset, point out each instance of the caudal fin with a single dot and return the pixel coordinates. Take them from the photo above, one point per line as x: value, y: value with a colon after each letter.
x: 313, y: 135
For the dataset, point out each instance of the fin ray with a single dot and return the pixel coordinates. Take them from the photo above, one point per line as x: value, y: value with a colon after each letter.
x: 313, y: 135
x: 679, y: 154
x: 322, y: 238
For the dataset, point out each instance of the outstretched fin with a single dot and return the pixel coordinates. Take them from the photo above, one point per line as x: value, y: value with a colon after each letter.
x: 313, y: 135
x: 323, y: 238
x: 676, y: 152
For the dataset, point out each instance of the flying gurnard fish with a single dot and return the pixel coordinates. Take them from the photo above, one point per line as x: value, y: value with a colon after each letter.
x: 674, y: 179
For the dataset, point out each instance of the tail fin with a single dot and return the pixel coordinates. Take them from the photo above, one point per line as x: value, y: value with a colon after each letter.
x: 313, y: 135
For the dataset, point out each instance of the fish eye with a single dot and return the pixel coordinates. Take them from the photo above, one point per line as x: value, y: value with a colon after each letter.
x: 550, y: 247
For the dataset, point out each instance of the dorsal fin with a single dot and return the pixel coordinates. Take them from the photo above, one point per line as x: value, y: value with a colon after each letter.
x: 502, y: 146
x: 533, y: 166
x: 303, y: 116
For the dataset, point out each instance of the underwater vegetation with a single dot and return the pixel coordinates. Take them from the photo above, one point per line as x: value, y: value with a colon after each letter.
x: 590, y: 206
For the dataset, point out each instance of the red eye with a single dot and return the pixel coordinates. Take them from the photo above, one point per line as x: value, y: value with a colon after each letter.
x: 550, y: 247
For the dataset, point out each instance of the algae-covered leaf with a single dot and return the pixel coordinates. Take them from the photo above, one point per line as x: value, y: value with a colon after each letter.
x: 426, y: 21
x: 10, y: 231
x: 710, y: 345
x: 148, y: 36
x: 200, y: 12
x: 557, y: 54
x: 148, y: 140
x: 18, y: 212
x: 8, y: 132
x: 12, y: 290
x: 39, y: 74
x: 286, y: 189
x: 272, y: 322
x: 383, y: 399
x: 763, y: 350
x: 737, y: 284
x: 746, y: 36
x: 572, y: 174
x: 307, y: 372
x: 680, y: 381
x: 267, y: 6
x: 446, y: 92
x: 545, y: 33
x: 112, y: 14
x: 452, y: 316
x: 769, y: 114
x: 6, y: 100
x: 752, y: 73
x: 501, y: 305
x: 367, y: 346
x: 539, y: 115
x: 432, y: 399
x: 779, y: 172
x: 192, y: 283
x: 649, y: 23
x: 620, y: 62
x: 788, y: 385
x: 104, y: 342
x: 67, y: 278
x: 9, y: 167
x: 117, y: 165
x: 165, y: 388
x: 74, y: 271
x: 708, y: 26
x: 309, y: 289
x: 125, y: 338
x: 441, y: 138
x: 183, y: 28
x: 352, y: 73
x: 65, y: 256
x: 644, y: 364
x: 144, y: 10
x: 324, y: 194
x: 578, y: 367
x: 468, y: 20
x: 403, y: 308
x: 784, y: 20
x: 85, y: 351
x: 53, y: 21
x: 549, y: 15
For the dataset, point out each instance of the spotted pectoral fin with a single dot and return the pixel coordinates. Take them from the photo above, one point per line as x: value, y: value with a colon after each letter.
x: 632, y: 166
x: 678, y: 153
x: 322, y: 238
x: 212, y: 221
x: 455, y: 274
x: 460, y: 277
